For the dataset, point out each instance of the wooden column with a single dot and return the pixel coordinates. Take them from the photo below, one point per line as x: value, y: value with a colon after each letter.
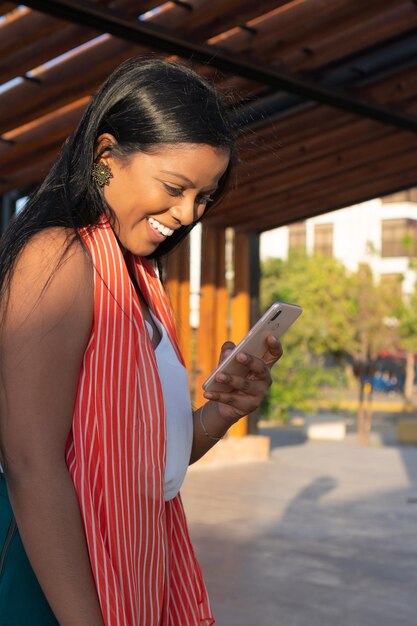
x: 178, y: 287
x: 212, y: 330
x: 240, y: 306
x: 254, y: 309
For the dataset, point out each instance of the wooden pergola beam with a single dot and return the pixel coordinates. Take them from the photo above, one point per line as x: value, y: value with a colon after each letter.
x: 95, y: 16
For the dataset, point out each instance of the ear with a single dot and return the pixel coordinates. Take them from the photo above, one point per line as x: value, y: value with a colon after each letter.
x: 104, y: 145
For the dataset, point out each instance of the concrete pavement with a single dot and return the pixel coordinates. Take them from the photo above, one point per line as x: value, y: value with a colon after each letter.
x: 322, y: 534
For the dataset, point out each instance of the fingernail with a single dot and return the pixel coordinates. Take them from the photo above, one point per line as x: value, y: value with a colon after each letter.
x: 221, y: 377
x: 274, y: 339
x: 208, y: 395
x: 242, y: 357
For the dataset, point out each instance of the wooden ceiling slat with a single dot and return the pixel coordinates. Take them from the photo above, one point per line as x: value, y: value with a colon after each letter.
x: 304, y: 42
x: 395, y: 90
x: 365, y: 185
x: 312, y: 172
x: 279, y: 29
x: 33, y: 38
x: 330, y: 187
x: 297, y: 125
x: 63, y: 82
x: 302, y: 56
x: 25, y: 28
x: 324, y: 200
x: 288, y: 30
x: 326, y: 196
x: 198, y: 24
x: 257, y: 173
x: 7, y: 7
x: 60, y: 41
x: 218, y: 16
x: 294, y: 127
x: 295, y: 133
x: 48, y: 151
x: 35, y: 138
x: 363, y: 192
x: 343, y: 40
x: 29, y: 176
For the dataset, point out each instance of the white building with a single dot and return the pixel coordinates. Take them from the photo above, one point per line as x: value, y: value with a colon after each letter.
x: 381, y: 232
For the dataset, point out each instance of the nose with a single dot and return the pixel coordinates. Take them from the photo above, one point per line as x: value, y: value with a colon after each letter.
x: 184, y: 211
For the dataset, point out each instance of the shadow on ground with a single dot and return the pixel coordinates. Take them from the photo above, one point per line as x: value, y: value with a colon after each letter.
x: 323, y: 534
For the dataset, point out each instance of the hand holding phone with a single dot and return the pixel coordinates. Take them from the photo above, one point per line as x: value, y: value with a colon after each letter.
x: 275, y: 321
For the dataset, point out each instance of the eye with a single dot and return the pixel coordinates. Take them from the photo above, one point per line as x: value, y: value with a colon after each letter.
x: 204, y: 199
x: 174, y: 191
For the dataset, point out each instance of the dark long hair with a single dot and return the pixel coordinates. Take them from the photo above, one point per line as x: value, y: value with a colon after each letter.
x: 144, y: 103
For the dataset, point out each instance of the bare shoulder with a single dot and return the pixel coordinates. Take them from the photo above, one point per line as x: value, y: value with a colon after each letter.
x: 54, y: 252
x: 52, y: 280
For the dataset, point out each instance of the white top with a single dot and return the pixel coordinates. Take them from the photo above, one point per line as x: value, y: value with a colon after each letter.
x: 178, y: 412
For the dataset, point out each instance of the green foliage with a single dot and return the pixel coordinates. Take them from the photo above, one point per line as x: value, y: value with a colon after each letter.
x: 406, y: 312
x: 372, y: 306
x: 320, y: 285
x: 298, y: 380
x: 344, y: 314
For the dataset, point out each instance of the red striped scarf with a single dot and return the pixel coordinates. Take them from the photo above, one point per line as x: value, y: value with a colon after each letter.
x: 142, y: 560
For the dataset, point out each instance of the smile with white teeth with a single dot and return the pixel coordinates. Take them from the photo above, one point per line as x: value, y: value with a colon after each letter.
x: 162, y: 229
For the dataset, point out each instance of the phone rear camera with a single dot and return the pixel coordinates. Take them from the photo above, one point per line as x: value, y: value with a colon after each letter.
x: 276, y: 315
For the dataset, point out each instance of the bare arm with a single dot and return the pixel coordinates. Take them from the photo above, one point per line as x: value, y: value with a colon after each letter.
x: 43, y: 340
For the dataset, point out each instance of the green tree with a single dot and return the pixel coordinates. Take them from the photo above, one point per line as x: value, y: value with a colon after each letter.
x: 407, y: 317
x: 374, y: 332
x: 344, y: 314
x: 319, y: 285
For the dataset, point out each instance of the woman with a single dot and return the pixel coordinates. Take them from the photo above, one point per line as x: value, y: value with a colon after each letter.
x: 96, y: 426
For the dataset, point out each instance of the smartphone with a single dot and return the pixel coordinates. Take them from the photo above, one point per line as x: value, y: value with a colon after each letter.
x: 275, y: 321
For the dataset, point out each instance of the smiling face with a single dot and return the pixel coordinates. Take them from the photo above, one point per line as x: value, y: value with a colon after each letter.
x: 154, y: 194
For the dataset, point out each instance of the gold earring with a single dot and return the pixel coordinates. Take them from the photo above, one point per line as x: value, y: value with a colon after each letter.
x: 101, y: 174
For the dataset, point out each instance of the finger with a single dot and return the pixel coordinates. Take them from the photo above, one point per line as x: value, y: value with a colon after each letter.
x: 253, y: 364
x: 274, y: 351
x: 250, y: 386
x: 241, y: 404
x: 226, y: 349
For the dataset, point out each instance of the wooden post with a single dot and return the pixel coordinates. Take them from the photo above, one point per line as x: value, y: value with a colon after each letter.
x: 178, y: 287
x: 184, y: 302
x: 254, y: 311
x: 212, y: 330
x: 240, y: 307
